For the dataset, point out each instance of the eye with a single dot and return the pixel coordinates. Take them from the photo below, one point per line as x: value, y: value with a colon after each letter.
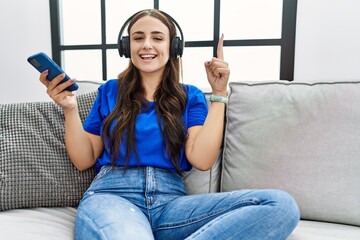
x: 157, y: 38
x: 138, y: 37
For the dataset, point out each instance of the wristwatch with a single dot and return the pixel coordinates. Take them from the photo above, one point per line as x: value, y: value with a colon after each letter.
x: 214, y: 98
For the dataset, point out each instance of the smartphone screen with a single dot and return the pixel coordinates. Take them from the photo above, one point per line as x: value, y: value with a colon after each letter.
x: 42, y: 62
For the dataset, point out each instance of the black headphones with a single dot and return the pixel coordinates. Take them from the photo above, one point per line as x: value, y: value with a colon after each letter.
x: 176, y: 47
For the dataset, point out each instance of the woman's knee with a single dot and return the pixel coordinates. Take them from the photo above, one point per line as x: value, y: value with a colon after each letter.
x: 281, y: 211
x: 284, y: 204
x: 285, y: 201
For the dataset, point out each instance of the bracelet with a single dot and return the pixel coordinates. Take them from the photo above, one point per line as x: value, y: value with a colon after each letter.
x: 214, y: 98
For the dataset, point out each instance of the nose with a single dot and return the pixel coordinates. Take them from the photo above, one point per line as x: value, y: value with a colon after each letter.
x: 147, y: 43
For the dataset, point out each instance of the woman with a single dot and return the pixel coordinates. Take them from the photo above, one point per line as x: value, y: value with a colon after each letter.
x: 144, y: 131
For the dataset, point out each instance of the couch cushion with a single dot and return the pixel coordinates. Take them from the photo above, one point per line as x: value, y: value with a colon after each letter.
x: 199, y: 182
x: 303, y: 138
x: 35, y: 170
x: 312, y: 230
x: 38, y: 223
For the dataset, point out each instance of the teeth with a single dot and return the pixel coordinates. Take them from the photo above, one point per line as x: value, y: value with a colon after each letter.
x: 148, y: 55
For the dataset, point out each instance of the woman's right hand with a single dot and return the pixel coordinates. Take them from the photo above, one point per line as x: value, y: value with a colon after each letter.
x: 65, y: 99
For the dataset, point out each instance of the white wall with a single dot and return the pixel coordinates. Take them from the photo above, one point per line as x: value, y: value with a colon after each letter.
x: 327, y: 44
x: 24, y: 30
x: 327, y: 40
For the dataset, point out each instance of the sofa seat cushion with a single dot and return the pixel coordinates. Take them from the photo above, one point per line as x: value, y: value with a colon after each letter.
x: 312, y: 230
x: 38, y: 223
x: 301, y: 137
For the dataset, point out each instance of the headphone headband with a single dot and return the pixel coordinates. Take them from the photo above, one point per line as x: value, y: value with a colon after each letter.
x: 176, y: 44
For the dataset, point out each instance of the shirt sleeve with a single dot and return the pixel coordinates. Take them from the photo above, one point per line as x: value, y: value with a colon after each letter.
x: 197, y: 107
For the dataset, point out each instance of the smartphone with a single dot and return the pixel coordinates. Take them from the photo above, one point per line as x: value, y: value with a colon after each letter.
x: 43, y: 62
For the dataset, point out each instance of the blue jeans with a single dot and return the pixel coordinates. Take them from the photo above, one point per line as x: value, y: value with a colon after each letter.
x: 151, y: 203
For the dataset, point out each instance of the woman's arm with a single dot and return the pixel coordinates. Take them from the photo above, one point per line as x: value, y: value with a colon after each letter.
x: 203, y: 142
x: 83, y: 148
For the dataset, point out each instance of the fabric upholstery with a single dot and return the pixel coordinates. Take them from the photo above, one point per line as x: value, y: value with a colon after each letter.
x: 55, y: 223
x: 312, y: 230
x: 198, y: 182
x: 35, y: 170
x: 303, y: 138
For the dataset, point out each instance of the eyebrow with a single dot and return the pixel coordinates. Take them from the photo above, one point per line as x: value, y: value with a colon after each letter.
x: 153, y: 32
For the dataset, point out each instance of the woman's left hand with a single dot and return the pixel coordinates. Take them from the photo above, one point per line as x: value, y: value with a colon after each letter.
x: 218, y: 72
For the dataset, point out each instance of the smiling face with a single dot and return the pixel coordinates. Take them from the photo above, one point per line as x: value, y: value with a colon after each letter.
x: 149, y: 45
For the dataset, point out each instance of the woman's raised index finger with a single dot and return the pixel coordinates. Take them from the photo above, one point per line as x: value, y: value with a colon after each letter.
x: 220, y: 49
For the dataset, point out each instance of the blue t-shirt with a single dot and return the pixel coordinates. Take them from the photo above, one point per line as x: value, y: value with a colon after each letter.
x: 148, y: 138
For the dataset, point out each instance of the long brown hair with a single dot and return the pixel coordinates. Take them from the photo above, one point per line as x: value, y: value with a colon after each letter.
x: 170, y: 100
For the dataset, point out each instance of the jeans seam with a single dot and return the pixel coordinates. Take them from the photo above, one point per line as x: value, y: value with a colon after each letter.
x: 245, y: 202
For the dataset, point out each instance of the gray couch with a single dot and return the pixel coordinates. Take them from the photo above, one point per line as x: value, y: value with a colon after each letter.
x: 303, y: 138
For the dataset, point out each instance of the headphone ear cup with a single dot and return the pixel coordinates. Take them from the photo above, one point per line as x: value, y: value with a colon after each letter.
x: 176, y: 47
x: 124, y: 47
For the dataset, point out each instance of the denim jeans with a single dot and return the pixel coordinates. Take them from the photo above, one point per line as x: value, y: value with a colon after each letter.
x: 151, y: 203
